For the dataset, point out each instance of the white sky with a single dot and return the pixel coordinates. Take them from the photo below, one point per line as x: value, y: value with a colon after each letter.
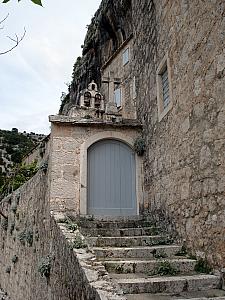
x: 33, y: 76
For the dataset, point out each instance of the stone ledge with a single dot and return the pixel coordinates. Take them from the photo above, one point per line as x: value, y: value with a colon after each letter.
x: 60, y: 119
x: 93, y: 271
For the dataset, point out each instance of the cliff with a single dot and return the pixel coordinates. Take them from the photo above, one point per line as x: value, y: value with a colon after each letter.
x: 109, y: 28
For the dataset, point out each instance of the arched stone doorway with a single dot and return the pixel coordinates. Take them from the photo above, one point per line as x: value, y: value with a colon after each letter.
x: 111, y: 182
x: 128, y: 140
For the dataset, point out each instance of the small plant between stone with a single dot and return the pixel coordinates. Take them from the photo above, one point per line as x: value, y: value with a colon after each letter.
x: 44, y: 266
x: 202, y: 266
x: 164, y: 269
x: 78, y: 243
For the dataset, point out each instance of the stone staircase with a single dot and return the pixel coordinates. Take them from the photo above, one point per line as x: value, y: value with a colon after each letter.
x: 145, y: 263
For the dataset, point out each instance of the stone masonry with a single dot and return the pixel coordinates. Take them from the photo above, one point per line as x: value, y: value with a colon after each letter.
x: 184, y: 161
x: 37, y: 260
x: 67, y: 137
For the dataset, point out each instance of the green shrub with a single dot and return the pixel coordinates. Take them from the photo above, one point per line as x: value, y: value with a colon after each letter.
x: 202, y: 266
x: 44, y: 266
x: 12, y: 226
x: 78, y: 243
x: 14, y: 259
x: 26, y: 236
x: 165, y: 268
x: 4, y: 223
x: 139, y: 146
x: 182, y: 251
x: 19, y: 176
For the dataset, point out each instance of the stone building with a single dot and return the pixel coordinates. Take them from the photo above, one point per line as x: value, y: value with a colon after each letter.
x: 150, y: 82
x: 174, y: 82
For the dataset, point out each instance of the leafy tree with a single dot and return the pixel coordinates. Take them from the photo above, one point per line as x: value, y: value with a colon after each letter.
x: 21, y: 174
x: 38, y: 2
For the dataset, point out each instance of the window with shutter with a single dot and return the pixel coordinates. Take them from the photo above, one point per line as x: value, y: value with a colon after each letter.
x: 164, y: 92
x: 126, y: 56
x: 165, y: 88
x: 117, y: 97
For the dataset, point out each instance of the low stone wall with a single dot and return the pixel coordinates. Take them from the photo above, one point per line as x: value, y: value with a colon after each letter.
x: 33, y: 244
x: 40, y: 153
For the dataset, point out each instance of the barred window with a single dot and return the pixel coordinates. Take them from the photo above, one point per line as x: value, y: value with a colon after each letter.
x: 126, y: 57
x: 165, y: 88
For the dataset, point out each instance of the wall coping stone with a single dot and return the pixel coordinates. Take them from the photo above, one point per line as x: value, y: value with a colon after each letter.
x: 59, y: 119
x: 94, y: 271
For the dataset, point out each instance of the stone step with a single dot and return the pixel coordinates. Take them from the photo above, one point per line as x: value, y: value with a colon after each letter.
x: 120, y: 232
x: 214, y: 298
x: 196, y: 295
x: 150, y: 266
x: 86, y: 223
x: 128, y: 241
x: 173, y: 284
x: 113, y: 218
x: 146, y: 252
x: 167, y: 297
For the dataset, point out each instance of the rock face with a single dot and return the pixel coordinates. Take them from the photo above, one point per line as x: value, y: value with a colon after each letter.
x: 109, y: 28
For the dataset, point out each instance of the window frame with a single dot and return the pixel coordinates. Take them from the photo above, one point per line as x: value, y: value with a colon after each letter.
x: 163, y: 66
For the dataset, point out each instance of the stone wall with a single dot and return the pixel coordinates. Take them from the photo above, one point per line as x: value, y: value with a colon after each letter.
x: 116, y: 71
x: 40, y: 153
x: 30, y: 238
x: 185, y: 162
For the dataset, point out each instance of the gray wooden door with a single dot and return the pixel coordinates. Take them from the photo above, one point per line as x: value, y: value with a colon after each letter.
x: 111, y: 179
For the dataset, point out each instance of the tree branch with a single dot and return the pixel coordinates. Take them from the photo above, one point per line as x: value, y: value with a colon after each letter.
x: 2, y: 21
x: 16, y: 40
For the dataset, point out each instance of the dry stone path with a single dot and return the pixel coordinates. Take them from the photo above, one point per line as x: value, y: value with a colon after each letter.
x: 146, y: 264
